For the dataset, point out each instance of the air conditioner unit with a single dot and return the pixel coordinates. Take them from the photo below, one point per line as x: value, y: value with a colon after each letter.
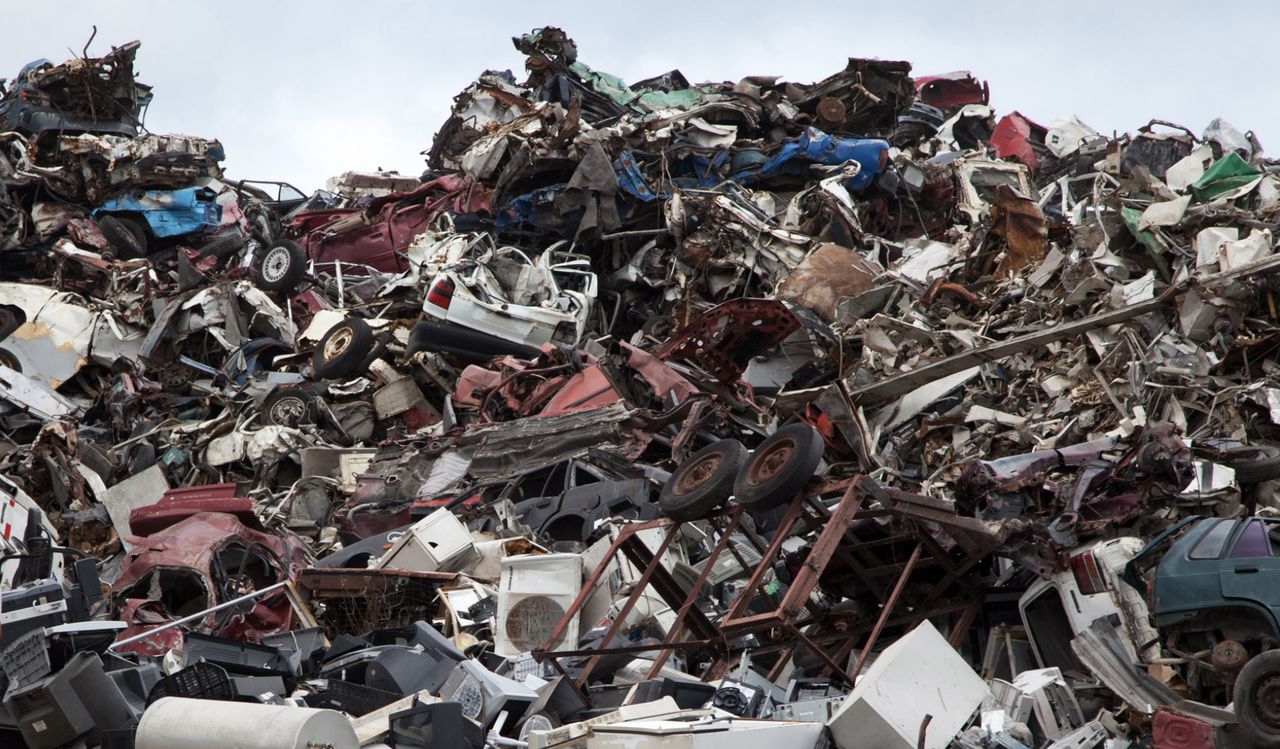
x: 534, y: 593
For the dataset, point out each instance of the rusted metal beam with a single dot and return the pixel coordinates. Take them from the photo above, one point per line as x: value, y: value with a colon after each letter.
x: 889, y: 388
x: 962, y: 625
x: 555, y: 655
x: 823, y: 548
x: 588, y: 587
x: 836, y: 669
x: 743, y: 599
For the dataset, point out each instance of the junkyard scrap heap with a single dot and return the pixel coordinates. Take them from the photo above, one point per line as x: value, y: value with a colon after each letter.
x: 851, y: 413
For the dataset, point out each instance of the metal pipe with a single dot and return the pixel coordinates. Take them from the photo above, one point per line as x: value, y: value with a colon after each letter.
x: 342, y: 302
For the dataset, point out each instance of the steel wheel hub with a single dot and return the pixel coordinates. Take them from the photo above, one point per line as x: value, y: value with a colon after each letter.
x: 698, y: 473
x: 288, y: 411
x: 767, y: 464
x: 1266, y: 701
x: 338, y: 343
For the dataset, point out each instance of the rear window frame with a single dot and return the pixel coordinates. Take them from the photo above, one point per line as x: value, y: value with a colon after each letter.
x: 1214, y: 535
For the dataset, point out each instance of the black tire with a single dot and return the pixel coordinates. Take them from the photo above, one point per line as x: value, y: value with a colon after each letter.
x: 703, y: 482
x: 342, y: 349
x: 1256, y: 471
x: 287, y: 407
x: 9, y: 322
x: 280, y: 267
x: 379, y: 348
x: 1257, y: 699
x: 126, y: 234
x: 779, y: 468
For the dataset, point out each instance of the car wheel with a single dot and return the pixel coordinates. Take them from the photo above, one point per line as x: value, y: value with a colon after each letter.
x: 342, y: 349
x: 379, y: 348
x: 9, y: 360
x: 1256, y: 471
x: 1257, y: 699
x: 703, y: 482
x: 779, y: 468
x: 127, y: 235
x: 280, y: 266
x: 287, y: 407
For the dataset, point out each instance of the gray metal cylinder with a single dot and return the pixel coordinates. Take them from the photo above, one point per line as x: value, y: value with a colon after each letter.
x: 178, y: 722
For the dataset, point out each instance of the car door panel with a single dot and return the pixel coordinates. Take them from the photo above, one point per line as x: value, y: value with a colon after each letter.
x: 1251, y: 567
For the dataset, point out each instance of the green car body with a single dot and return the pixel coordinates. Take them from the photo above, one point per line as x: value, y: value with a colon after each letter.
x: 1219, y: 575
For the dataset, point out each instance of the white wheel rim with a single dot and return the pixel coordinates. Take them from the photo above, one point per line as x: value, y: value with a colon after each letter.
x: 275, y: 264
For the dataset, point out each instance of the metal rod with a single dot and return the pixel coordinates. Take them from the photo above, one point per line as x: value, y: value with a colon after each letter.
x: 677, y: 627
x: 748, y: 594
x: 342, y: 302
x: 555, y: 656
x: 818, y: 651
x: 884, y: 614
x: 588, y: 587
x: 633, y: 233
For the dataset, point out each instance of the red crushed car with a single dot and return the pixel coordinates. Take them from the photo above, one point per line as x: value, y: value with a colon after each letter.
x: 375, y: 236
x: 198, y: 562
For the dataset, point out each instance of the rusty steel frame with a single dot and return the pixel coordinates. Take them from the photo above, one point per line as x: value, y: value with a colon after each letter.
x: 823, y: 549
x: 834, y: 525
x: 889, y: 605
x: 690, y: 603
x: 652, y: 573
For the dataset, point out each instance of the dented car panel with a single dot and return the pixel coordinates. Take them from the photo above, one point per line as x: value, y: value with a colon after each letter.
x: 58, y: 335
x: 169, y: 213
x: 504, y: 293
x: 203, y: 560
x: 378, y: 235
x: 93, y: 95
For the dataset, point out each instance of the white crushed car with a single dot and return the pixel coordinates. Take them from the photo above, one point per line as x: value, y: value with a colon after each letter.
x: 502, y: 293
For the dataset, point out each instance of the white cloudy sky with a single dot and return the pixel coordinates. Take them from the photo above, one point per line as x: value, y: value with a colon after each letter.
x: 301, y: 91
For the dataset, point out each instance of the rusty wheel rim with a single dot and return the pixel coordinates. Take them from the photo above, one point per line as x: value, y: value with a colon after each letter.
x: 337, y: 343
x: 767, y: 463
x: 697, y: 472
x: 1266, y: 702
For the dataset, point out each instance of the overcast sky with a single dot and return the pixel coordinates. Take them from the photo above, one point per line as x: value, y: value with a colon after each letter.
x: 301, y: 91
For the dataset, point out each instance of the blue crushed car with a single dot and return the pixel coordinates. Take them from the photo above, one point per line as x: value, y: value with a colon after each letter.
x: 816, y: 147
x: 748, y: 167
x: 132, y: 221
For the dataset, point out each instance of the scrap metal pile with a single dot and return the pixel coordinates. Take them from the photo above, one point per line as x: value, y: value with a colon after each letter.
x: 847, y: 413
